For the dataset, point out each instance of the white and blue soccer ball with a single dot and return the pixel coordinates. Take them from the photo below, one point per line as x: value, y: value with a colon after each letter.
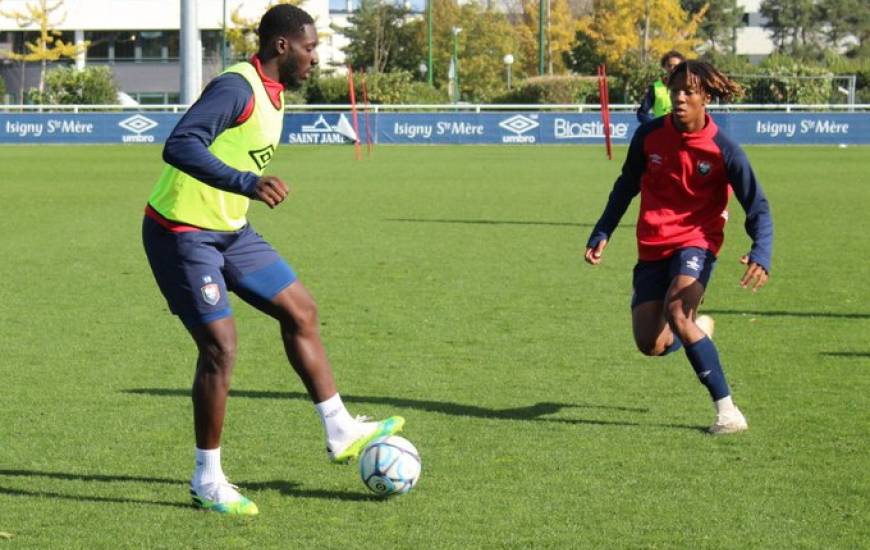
x: 390, y: 466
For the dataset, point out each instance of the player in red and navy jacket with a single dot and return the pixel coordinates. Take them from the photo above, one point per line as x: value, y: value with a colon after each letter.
x: 685, y: 169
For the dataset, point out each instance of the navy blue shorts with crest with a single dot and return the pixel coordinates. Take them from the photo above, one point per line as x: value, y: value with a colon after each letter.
x: 652, y: 279
x: 196, y: 269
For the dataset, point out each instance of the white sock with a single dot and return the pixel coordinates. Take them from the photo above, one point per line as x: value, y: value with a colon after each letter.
x: 337, y: 422
x: 725, y: 405
x: 208, y: 467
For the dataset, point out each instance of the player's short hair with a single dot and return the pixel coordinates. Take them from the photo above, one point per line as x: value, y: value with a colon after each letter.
x: 670, y: 54
x: 282, y: 20
x: 704, y: 76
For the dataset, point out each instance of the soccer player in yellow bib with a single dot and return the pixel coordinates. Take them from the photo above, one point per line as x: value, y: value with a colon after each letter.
x: 658, y: 99
x: 200, y: 246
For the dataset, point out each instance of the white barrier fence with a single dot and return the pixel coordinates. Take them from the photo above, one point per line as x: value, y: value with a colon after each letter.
x: 445, y: 108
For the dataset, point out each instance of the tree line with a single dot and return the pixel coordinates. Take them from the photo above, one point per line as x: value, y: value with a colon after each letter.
x: 470, y: 42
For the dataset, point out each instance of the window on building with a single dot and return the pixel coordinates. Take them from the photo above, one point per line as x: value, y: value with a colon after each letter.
x: 172, y: 48
x: 156, y: 98
x: 211, y: 44
x: 151, y: 45
x: 22, y: 38
x: 125, y: 46
x: 98, y: 48
x: 68, y: 37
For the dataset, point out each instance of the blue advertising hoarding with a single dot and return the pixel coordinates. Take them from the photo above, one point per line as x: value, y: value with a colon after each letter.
x: 86, y: 128
x: 509, y: 128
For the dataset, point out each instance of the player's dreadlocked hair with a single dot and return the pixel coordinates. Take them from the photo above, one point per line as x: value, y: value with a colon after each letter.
x: 706, y: 77
x: 282, y: 20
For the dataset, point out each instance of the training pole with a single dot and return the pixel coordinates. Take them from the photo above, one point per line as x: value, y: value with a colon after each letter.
x: 366, y: 115
x: 356, y: 145
x: 604, y: 98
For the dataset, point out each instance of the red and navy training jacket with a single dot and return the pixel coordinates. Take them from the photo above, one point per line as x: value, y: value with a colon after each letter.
x: 684, y: 181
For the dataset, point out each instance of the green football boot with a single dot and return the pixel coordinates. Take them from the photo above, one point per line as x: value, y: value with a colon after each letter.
x: 223, y: 498
x: 384, y: 428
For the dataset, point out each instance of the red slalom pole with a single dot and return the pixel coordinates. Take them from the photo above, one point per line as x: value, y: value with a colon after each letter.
x: 356, y: 145
x: 366, y: 114
x: 605, y: 108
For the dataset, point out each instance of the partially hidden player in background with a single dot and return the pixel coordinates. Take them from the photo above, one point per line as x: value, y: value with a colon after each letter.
x: 683, y: 165
x: 200, y: 246
x: 657, y: 101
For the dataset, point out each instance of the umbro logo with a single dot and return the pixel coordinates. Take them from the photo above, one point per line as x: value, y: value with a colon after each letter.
x: 518, y: 124
x: 262, y: 156
x: 137, y: 124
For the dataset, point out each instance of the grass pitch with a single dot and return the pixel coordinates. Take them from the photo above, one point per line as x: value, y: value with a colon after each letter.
x: 452, y: 291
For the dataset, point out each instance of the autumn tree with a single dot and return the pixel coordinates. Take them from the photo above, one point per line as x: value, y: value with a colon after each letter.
x: 845, y: 18
x: 624, y: 29
x: 718, y: 28
x: 382, y: 38
x: 559, y: 31
x: 48, y: 45
x: 793, y: 24
x: 486, y: 37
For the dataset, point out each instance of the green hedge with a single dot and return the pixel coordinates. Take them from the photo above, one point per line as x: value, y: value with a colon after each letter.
x: 786, y: 79
x: 395, y: 88
x: 553, y: 89
x: 94, y: 85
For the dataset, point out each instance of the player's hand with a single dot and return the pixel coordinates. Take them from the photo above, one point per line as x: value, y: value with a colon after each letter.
x: 271, y: 190
x: 755, y: 275
x: 593, y: 255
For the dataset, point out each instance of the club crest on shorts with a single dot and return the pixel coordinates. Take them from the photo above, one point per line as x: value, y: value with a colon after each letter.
x: 704, y: 167
x: 211, y: 293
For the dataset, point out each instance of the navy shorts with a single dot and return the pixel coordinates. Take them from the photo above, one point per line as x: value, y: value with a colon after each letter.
x: 195, y: 269
x: 652, y: 279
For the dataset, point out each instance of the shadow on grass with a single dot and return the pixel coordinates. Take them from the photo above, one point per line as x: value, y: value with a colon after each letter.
x: 89, y: 477
x: 490, y: 222
x: 779, y: 313
x: 86, y: 477
x: 534, y: 412
x: 286, y: 488
x: 531, y: 412
x: 290, y: 489
x: 86, y: 498
x: 863, y: 354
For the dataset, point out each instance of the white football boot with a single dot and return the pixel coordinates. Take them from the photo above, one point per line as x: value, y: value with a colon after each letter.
x: 729, y: 422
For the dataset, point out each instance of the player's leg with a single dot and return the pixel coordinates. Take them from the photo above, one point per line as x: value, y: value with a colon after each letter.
x: 691, y: 269
x: 263, y: 279
x: 652, y: 334
x: 209, y: 488
x: 216, y: 343
x: 187, y: 267
x: 296, y: 312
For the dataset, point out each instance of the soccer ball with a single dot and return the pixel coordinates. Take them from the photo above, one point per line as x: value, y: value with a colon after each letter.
x: 390, y: 466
